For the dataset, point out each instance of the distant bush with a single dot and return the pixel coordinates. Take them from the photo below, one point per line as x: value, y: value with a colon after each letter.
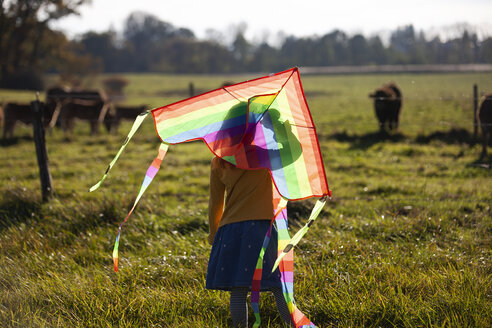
x: 115, y: 84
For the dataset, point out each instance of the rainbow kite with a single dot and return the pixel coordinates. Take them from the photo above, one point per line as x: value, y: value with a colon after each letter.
x: 262, y: 123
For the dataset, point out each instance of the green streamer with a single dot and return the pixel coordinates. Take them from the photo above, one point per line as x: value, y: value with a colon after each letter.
x: 136, y: 125
x: 298, y: 236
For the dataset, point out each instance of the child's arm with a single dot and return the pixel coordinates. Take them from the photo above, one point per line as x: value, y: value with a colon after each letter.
x: 215, y: 203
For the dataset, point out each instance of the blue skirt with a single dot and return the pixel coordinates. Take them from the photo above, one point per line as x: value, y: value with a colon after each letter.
x: 235, y: 253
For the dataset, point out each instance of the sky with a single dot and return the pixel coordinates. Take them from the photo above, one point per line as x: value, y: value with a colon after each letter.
x: 265, y: 18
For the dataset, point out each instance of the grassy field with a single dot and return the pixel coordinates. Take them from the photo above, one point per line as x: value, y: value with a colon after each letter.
x: 406, y: 240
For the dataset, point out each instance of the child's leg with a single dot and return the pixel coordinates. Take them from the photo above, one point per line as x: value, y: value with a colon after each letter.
x: 238, y: 307
x: 282, y: 306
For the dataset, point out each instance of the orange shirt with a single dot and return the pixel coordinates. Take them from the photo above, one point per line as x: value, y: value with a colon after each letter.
x: 247, y: 194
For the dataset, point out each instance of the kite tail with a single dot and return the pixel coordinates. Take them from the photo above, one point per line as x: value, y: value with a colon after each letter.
x: 256, y: 284
x: 287, y: 273
x: 285, y: 262
x: 298, y: 236
x: 138, y: 121
x: 149, y: 175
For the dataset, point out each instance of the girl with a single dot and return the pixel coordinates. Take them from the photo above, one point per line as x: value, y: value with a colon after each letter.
x: 237, y: 228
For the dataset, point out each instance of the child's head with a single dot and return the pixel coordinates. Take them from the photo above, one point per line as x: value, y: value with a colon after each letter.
x: 274, y: 115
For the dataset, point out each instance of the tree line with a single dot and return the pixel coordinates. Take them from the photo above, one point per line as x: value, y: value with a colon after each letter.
x: 29, y: 47
x: 151, y: 45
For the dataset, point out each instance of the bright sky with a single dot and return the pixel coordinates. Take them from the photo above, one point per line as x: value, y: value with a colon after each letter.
x: 293, y: 17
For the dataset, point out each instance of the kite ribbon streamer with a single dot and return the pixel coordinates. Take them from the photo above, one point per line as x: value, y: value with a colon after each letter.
x: 298, y: 236
x: 287, y: 273
x: 134, y: 129
x: 256, y: 284
x: 151, y: 172
x: 286, y: 266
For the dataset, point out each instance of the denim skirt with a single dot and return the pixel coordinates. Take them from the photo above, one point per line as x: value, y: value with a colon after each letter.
x: 234, y: 255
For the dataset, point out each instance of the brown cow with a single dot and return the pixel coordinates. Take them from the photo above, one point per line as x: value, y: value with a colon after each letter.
x: 67, y: 105
x: 15, y: 112
x: 55, y: 98
x: 484, y: 118
x: 387, y: 105
x: 114, y: 116
x: 91, y: 111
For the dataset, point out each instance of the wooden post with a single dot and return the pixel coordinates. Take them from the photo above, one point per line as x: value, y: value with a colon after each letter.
x: 191, y: 88
x: 39, y: 140
x: 475, y: 109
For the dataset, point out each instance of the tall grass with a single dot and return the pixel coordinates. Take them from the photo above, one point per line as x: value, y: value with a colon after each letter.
x: 405, y: 241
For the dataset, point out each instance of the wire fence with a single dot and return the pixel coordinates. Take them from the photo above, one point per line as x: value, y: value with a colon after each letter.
x: 416, y: 116
x: 381, y: 198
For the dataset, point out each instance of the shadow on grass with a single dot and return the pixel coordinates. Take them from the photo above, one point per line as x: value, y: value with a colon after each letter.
x: 18, y: 206
x: 87, y: 217
x: 482, y: 162
x: 365, y: 141
x: 453, y: 136
x: 298, y: 212
x: 61, y: 223
x: 191, y: 226
x: 14, y: 141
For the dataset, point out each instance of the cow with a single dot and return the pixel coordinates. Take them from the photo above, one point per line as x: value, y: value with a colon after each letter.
x: 226, y: 84
x: 1, y: 115
x: 88, y: 110
x: 55, y: 98
x: 13, y: 113
x: 118, y: 113
x: 387, y: 105
x: 484, y: 119
x: 69, y: 105
x: 16, y: 112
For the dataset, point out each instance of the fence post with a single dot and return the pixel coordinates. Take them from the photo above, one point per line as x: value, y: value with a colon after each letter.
x: 475, y: 109
x: 42, y: 155
x: 191, y: 89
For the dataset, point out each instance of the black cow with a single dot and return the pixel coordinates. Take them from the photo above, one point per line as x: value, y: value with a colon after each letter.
x: 387, y: 105
x: 484, y: 117
x: 1, y: 115
x: 117, y: 114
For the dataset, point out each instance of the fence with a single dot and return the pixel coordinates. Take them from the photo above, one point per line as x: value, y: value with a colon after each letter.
x: 42, y: 156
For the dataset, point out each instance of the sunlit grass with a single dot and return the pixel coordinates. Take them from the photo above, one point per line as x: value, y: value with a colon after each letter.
x: 405, y: 241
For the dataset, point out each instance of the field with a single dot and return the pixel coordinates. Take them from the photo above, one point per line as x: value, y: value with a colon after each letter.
x: 406, y: 240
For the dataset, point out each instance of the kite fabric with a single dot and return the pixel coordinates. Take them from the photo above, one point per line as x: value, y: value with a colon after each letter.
x: 262, y: 123
x: 257, y: 124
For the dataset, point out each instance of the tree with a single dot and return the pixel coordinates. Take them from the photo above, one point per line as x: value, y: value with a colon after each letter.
x: 339, y: 50
x: 402, y: 42
x: 241, y: 49
x: 145, y: 33
x: 24, y: 40
x: 378, y: 54
x: 359, y: 50
x: 187, y: 56
x: 485, y: 52
x: 102, y: 46
x: 265, y: 59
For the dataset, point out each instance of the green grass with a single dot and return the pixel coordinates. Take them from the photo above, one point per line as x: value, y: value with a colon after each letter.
x: 405, y: 241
